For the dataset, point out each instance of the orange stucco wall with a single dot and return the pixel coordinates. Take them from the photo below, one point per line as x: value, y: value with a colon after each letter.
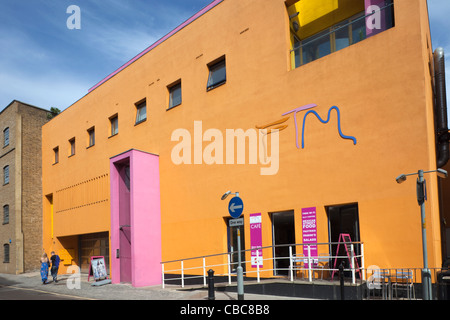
x: 381, y: 85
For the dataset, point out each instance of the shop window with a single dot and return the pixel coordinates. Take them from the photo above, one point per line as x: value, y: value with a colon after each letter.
x: 175, y: 94
x: 91, y: 137
x: 72, y: 147
x: 343, y: 219
x: 114, y: 125
x: 141, y: 112
x: 6, y: 253
x: 5, y: 214
x: 5, y: 175
x: 6, y: 137
x: 56, y: 155
x: 217, y: 73
x: 283, y: 234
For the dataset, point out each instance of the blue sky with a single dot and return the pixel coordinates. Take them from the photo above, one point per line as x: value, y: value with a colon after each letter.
x: 43, y: 63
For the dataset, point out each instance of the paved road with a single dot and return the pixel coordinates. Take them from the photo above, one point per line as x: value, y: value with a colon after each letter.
x: 29, y: 287
x: 8, y: 292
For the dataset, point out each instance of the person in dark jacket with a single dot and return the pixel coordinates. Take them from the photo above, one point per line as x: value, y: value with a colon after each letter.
x: 55, y: 266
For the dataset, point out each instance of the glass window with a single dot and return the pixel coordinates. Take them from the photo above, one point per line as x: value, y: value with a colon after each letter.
x: 114, y: 125
x: 72, y: 146
x: 91, y: 136
x: 6, y: 137
x: 316, y: 46
x: 217, y: 74
x: 5, y: 214
x: 141, y: 112
x: 6, y: 253
x: 175, y: 95
x: 341, y: 38
x: 6, y: 175
x: 358, y: 28
x: 56, y: 154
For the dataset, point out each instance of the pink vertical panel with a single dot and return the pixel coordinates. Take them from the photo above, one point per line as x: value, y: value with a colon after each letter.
x: 371, y: 29
x: 256, y: 239
x: 309, y: 228
x: 145, y: 218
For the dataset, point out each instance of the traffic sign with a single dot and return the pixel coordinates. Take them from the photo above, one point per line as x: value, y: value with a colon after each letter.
x: 236, y: 222
x: 235, y: 207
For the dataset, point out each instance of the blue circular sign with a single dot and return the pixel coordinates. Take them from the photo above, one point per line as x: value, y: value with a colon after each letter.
x: 235, y: 207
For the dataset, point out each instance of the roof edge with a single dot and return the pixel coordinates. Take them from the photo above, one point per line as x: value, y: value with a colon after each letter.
x: 157, y: 43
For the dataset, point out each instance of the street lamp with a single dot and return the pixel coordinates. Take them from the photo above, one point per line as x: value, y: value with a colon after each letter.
x: 421, y: 198
x: 239, y: 270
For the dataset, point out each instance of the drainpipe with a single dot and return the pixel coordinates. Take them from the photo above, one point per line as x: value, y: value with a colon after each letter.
x: 442, y: 134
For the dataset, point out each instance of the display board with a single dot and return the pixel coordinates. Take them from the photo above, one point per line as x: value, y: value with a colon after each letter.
x: 97, y: 268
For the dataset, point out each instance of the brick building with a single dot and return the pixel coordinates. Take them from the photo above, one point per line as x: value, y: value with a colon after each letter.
x: 21, y: 187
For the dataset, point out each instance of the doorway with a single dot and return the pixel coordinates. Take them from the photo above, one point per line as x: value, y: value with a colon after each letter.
x: 343, y: 219
x: 124, y: 254
x: 283, y: 234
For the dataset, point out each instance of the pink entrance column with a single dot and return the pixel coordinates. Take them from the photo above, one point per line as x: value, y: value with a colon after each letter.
x: 143, y: 211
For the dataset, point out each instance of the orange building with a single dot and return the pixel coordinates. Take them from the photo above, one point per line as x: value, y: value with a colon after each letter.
x: 349, y: 89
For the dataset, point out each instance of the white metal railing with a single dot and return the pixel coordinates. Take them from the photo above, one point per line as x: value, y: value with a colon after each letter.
x: 270, y: 262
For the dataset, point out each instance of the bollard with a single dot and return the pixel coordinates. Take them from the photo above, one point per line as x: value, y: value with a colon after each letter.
x: 211, y: 285
x: 341, y: 279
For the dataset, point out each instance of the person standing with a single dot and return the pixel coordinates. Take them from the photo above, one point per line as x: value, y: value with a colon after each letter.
x: 55, y: 266
x: 45, y: 263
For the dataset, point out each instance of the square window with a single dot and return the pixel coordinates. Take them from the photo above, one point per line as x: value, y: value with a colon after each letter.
x: 141, y: 112
x: 114, y: 120
x: 175, y: 94
x: 91, y: 137
x: 217, y: 74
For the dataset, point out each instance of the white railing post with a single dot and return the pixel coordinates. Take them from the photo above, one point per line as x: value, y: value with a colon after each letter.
x: 229, y: 267
x: 182, y: 274
x: 204, y: 273
x: 291, y: 269
x: 362, y: 262
x: 309, y: 264
x: 162, y: 270
x: 257, y: 265
x: 352, y: 263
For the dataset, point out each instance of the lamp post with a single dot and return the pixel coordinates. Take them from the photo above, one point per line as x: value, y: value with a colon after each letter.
x: 239, y: 269
x: 421, y: 198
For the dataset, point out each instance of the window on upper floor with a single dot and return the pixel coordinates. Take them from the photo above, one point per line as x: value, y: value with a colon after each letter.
x: 217, y: 73
x: 5, y: 175
x: 91, y: 137
x: 55, y: 155
x: 5, y: 214
x: 6, y: 137
x: 72, y: 147
x: 321, y: 27
x: 141, y: 111
x: 114, y: 125
x: 174, y: 94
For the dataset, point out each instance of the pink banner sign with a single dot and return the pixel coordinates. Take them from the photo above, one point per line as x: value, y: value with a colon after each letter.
x: 309, y: 228
x: 256, y: 239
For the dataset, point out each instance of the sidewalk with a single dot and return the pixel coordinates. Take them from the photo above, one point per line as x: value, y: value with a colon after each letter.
x: 84, y: 290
